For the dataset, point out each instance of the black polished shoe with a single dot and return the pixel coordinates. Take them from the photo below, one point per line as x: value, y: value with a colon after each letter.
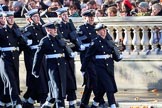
x: 82, y: 105
x: 92, y: 106
x: 71, y: 106
x: 27, y: 105
x: 104, y: 105
x: 46, y: 107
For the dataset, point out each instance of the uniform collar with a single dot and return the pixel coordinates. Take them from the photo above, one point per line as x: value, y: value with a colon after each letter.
x: 7, y: 27
x: 89, y: 24
x: 51, y: 37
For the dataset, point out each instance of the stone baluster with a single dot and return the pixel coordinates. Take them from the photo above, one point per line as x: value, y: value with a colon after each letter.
x: 136, y: 39
x: 118, y: 34
x: 111, y: 31
x: 153, y: 40
x: 145, y: 40
x: 127, y: 39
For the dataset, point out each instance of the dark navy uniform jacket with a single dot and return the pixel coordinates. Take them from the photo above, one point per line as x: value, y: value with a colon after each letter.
x: 104, y: 67
x: 37, y: 33
x: 65, y: 30
x: 50, y: 45
x: 90, y: 33
x: 8, y: 38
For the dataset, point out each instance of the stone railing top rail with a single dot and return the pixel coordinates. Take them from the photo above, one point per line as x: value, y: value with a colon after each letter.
x: 111, y: 21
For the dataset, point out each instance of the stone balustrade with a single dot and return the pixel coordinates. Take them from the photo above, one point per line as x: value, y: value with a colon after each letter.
x: 141, y: 35
x: 141, y: 38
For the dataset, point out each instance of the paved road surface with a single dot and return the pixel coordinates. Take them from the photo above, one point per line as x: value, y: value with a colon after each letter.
x: 132, y: 98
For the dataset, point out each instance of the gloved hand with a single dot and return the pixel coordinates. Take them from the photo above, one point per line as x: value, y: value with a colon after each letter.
x: 121, y: 56
x: 29, y: 42
x: 82, y: 48
x: 83, y: 73
x: 73, y: 54
x: 35, y: 75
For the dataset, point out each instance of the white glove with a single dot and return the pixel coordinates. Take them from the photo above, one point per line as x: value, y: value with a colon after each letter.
x: 29, y: 42
x: 82, y: 48
x: 83, y: 73
x: 121, y: 56
x: 36, y: 76
x: 73, y: 54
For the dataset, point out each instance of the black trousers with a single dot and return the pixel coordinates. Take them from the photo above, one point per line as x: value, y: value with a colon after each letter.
x: 110, y: 96
x: 87, y: 94
x: 71, y: 95
x: 41, y: 97
x: 60, y: 103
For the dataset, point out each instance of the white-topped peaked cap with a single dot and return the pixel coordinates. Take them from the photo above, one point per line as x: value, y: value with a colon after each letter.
x: 61, y: 10
x: 26, y: 15
x: 100, y: 26
x: 8, y: 13
x: 51, y: 25
x: 32, y: 12
x: 89, y: 13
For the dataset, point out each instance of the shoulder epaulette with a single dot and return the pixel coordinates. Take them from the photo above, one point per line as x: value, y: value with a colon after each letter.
x: 29, y: 25
x: 95, y: 38
x: 93, y: 41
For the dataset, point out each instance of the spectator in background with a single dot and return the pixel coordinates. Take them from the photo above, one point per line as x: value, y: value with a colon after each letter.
x: 92, y: 5
x: 134, y: 9
x: 139, y: 1
x: 10, y: 6
x: 17, y: 7
x: 55, y: 4
x: 119, y: 5
x: 109, y: 3
x: 152, y: 2
x: 23, y: 1
x: 99, y: 2
x: 67, y: 3
x: 156, y: 10
x: 4, y: 5
x: 2, y: 2
x: 143, y: 9
x: 112, y: 11
x: 73, y: 11
x: 31, y: 5
x: 126, y: 8
x: 78, y: 5
x: 83, y: 3
x: 99, y: 13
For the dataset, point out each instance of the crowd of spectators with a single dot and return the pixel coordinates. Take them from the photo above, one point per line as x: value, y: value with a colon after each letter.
x: 102, y: 8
